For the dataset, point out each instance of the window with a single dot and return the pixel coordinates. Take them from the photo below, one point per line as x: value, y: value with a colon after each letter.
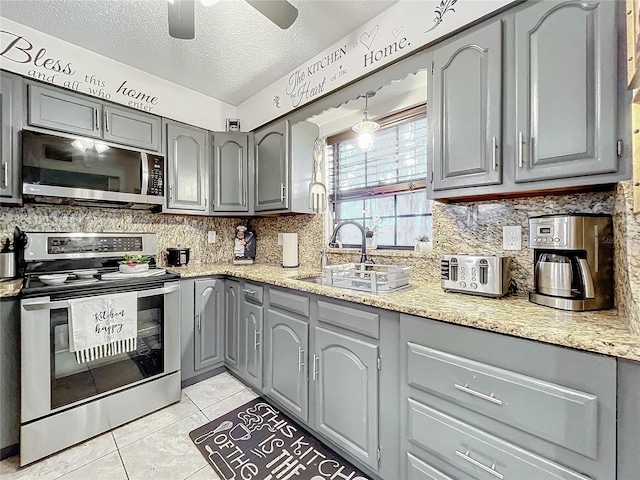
x: 383, y: 189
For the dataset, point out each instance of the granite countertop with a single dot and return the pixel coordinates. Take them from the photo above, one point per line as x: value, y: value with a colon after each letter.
x: 10, y: 288
x: 602, y: 331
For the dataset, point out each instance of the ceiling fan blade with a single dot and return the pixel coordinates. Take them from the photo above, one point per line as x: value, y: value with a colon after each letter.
x: 280, y: 12
x: 182, y: 23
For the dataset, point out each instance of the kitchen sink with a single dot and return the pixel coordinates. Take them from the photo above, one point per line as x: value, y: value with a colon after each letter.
x: 319, y: 280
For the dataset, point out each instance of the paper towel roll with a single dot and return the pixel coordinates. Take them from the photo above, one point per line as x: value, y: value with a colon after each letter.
x: 289, y: 249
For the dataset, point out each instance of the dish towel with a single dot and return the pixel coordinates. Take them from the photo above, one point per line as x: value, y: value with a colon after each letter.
x: 103, y: 326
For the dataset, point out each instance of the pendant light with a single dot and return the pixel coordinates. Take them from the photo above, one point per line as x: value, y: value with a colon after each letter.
x: 366, y: 127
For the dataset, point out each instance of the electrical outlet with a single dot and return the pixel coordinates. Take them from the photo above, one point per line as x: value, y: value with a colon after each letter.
x: 280, y: 239
x: 211, y: 236
x: 512, y: 237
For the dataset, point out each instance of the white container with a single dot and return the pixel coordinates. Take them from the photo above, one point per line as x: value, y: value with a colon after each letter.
x: 57, y: 279
x: 290, y: 250
x: 137, y: 268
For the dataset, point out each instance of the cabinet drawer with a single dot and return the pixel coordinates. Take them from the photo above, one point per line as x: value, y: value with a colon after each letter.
x: 418, y: 470
x: 349, y: 318
x: 253, y: 292
x: 475, y: 452
x: 289, y: 301
x: 561, y: 415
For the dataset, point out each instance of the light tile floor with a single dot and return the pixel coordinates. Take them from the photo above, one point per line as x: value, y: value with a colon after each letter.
x: 154, y: 447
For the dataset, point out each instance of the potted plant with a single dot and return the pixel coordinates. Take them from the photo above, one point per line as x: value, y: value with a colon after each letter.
x: 134, y: 263
x: 423, y: 244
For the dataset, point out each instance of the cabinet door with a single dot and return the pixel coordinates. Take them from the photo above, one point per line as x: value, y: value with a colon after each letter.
x: 231, y: 178
x: 565, y: 90
x: 345, y: 374
x: 128, y: 127
x: 208, y: 323
x: 287, y: 340
x: 271, y: 156
x: 64, y: 111
x: 9, y: 140
x: 232, y: 324
x: 252, y: 344
x: 466, y: 113
x: 186, y: 154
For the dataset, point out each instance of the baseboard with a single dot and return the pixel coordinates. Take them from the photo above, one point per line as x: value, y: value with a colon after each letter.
x: 203, y: 376
x: 10, y: 451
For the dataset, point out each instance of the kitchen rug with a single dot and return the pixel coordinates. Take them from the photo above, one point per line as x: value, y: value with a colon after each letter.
x: 256, y: 441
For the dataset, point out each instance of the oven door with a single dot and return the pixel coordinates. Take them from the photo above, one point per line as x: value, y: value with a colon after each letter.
x: 53, y: 380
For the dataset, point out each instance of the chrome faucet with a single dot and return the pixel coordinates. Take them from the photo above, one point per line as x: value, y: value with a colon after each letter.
x: 363, y: 251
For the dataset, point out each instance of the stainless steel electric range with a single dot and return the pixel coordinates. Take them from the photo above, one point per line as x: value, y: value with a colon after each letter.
x: 64, y: 401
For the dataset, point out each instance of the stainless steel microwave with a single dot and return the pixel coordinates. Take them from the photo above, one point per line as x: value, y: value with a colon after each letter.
x: 82, y: 171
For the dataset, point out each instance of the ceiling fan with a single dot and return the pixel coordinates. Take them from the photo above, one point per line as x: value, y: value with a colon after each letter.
x: 182, y: 15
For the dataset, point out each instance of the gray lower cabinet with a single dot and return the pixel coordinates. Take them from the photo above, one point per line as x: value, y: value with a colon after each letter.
x: 209, y: 332
x: 137, y: 129
x: 232, y: 324
x: 565, y: 97
x: 271, y: 151
x: 466, y: 110
x: 57, y: 109
x: 287, y: 340
x: 345, y: 387
x: 10, y: 148
x: 251, y: 343
x: 231, y: 161
x: 186, y: 167
x: 479, y: 405
x: 201, y: 327
x: 9, y: 376
x: 628, y: 419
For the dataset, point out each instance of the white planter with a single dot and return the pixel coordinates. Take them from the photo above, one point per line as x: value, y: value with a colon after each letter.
x: 372, y: 242
x: 137, y: 268
x: 424, y: 247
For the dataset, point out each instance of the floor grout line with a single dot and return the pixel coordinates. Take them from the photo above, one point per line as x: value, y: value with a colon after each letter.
x: 124, y: 467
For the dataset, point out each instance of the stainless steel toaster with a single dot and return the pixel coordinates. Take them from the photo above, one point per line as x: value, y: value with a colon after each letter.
x: 484, y: 274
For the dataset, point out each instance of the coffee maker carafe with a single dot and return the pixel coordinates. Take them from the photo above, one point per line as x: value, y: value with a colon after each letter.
x: 573, y: 260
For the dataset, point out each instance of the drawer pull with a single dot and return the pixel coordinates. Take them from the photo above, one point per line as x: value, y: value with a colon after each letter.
x: 465, y: 388
x: 491, y: 470
x: 249, y: 292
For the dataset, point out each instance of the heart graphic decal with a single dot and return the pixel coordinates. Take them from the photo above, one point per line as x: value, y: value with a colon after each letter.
x: 367, y: 38
x: 396, y: 32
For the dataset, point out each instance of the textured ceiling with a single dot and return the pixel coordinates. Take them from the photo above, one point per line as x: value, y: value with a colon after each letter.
x: 236, y: 53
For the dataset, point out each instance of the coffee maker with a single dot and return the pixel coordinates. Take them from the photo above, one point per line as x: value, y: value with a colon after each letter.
x: 573, y: 260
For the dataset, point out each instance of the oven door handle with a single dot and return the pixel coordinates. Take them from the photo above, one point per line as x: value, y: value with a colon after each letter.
x: 65, y: 303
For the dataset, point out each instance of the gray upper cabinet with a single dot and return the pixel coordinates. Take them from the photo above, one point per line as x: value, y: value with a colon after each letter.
x: 251, y: 343
x: 10, y: 125
x: 231, y: 153
x: 187, y: 169
x: 286, y: 359
x: 58, y: 110
x: 565, y: 90
x: 131, y: 128
x: 209, y: 328
x: 271, y: 167
x: 345, y: 379
x: 232, y: 324
x: 466, y: 110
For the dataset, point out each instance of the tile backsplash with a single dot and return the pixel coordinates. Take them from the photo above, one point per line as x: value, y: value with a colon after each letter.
x: 473, y: 227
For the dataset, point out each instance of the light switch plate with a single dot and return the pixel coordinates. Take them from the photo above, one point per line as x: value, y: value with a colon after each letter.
x: 512, y: 237
x: 211, y: 236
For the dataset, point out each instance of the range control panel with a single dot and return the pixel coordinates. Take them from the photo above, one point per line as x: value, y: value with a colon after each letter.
x: 93, y: 244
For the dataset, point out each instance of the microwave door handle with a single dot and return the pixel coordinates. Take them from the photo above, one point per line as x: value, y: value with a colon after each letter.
x: 65, y: 303
x: 144, y: 188
x: 589, y: 290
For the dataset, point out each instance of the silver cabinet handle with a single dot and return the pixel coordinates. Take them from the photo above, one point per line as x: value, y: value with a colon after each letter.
x: 198, y: 322
x: 97, y: 119
x: 249, y: 292
x: 282, y: 192
x: 316, y: 367
x: 494, y: 147
x: 256, y: 343
x: 170, y: 193
x: 491, y: 469
x: 106, y: 120
x: 465, y: 388
x: 5, y: 174
x: 520, y: 148
x: 300, y: 359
